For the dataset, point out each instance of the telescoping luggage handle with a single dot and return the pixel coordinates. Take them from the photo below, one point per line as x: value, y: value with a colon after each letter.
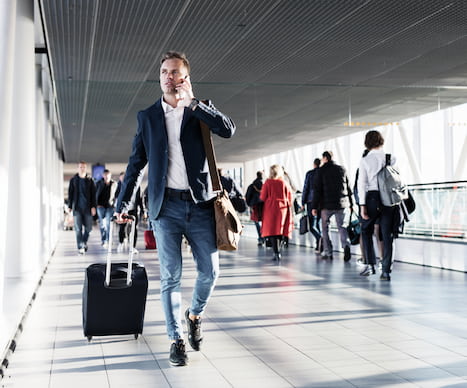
x: 108, y: 268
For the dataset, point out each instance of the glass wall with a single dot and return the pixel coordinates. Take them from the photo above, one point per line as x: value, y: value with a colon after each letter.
x: 429, y: 148
x: 441, y: 211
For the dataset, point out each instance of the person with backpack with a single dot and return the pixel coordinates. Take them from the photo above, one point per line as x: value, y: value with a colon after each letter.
x: 372, y: 209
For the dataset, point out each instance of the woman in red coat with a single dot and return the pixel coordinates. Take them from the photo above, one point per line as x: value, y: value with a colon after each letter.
x: 277, y: 214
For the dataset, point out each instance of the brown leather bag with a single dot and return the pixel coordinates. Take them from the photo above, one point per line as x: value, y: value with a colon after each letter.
x: 228, y: 225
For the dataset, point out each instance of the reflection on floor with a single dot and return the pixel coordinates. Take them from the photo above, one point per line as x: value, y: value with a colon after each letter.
x: 305, y: 322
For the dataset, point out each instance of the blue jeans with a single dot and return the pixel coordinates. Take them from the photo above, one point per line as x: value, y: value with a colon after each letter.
x: 258, y: 231
x: 82, y: 220
x: 326, y: 214
x: 105, y: 214
x: 177, y: 218
x: 314, y: 223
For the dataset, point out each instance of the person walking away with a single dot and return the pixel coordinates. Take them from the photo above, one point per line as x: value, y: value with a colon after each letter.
x: 371, y: 208
x: 253, y: 200
x: 82, y: 201
x: 168, y: 139
x: 234, y: 193
x: 377, y: 234
x: 307, y: 198
x: 105, y: 198
x: 332, y: 194
x: 277, y: 211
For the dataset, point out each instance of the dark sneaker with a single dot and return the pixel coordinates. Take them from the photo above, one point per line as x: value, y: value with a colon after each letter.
x: 347, y: 254
x: 368, y: 270
x: 178, y: 355
x: 385, y: 276
x: 194, y: 331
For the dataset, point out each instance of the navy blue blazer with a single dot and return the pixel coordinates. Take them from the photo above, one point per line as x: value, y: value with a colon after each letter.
x: 150, y: 146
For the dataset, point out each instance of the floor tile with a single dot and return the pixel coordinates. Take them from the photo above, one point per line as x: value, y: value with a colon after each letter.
x: 302, y: 323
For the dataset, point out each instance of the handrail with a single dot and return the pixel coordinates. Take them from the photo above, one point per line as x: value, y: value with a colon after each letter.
x: 435, y: 183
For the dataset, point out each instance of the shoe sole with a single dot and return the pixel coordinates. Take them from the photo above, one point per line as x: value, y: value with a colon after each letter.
x: 183, y: 363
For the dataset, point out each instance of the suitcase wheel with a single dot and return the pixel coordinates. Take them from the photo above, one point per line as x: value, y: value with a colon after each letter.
x: 89, y: 338
x: 136, y: 336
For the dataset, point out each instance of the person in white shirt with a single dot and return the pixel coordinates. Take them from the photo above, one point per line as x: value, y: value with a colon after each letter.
x: 371, y: 208
x: 180, y: 198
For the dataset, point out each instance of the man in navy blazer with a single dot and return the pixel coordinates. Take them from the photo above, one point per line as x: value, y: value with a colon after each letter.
x: 180, y: 196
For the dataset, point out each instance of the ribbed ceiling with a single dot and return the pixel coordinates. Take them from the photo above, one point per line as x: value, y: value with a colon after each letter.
x: 287, y: 71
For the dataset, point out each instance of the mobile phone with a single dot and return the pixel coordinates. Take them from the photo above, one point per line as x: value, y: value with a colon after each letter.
x: 181, y: 95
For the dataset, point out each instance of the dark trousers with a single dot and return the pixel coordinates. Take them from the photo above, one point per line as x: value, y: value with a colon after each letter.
x: 276, y: 242
x: 385, y: 216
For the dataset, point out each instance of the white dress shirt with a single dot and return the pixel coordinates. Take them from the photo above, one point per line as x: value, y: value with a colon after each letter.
x: 177, y: 177
x: 368, y: 170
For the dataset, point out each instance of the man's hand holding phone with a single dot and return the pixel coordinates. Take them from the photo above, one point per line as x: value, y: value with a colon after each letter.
x: 184, y: 93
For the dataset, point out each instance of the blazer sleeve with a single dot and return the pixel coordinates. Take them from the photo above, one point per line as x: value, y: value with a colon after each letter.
x: 219, y: 123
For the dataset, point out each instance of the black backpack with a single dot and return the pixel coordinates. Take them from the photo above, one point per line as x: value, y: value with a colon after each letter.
x: 252, y: 196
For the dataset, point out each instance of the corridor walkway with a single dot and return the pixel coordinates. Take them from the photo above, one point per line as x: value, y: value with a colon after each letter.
x: 303, y: 323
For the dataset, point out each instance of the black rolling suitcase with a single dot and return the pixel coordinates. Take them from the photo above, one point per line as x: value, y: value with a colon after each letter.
x: 114, y: 298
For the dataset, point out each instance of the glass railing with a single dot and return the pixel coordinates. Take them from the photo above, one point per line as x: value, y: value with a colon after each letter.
x: 441, y: 211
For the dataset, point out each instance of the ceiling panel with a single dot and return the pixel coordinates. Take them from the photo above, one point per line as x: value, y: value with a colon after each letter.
x: 288, y: 72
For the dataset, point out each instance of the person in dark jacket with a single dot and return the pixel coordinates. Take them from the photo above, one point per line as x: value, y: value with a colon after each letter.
x: 105, y: 197
x: 332, y: 195
x: 235, y: 194
x: 253, y: 200
x: 82, y: 201
x: 180, y: 197
x: 307, y: 198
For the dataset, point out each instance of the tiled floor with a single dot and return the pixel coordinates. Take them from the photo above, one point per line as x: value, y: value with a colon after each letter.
x: 303, y: 323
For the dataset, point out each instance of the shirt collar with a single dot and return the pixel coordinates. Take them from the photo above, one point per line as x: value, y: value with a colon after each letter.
x: 168, y: 108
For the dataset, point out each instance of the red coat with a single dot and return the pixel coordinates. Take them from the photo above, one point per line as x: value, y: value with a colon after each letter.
x: 277, y: 213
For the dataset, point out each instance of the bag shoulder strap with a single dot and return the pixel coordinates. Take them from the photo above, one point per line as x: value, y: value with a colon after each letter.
x: 388, y: 159
x: 211, y: 157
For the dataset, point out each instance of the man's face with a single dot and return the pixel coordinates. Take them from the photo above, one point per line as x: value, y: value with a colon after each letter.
x: 82, y: 169
x: 172, y: 72
x: 107, y: 176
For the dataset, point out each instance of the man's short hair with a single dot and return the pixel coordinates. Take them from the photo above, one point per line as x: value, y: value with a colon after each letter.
x: 317, y: 162
x: 327, y: 155
x: 176, y: 55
